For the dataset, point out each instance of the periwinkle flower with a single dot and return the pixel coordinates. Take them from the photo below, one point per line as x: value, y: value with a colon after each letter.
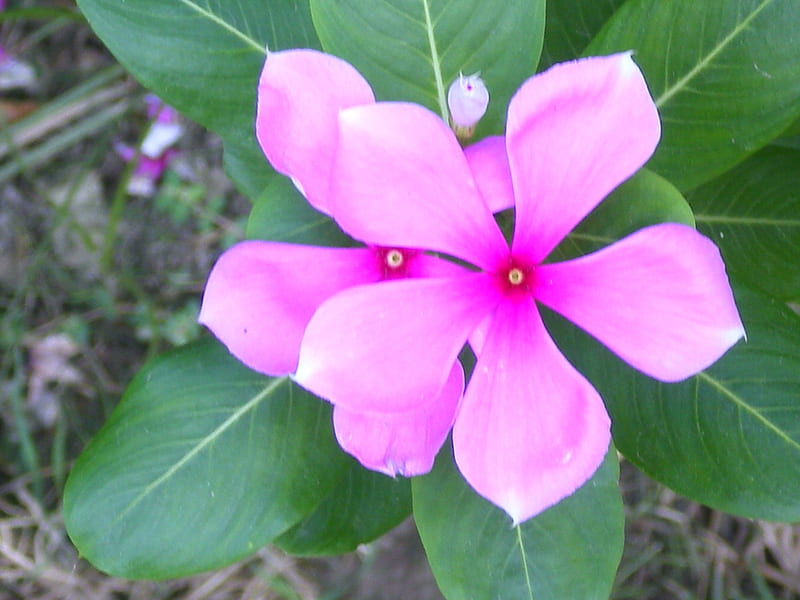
x: 530, y: 429
x: 467, y: 99
x: 382, y: 345
x: 260, y: 295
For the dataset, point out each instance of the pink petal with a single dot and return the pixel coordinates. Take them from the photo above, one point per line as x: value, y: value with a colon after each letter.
x: 390, y: 347
x: 423, y: 265
x: 659, y: 298
x: 575, y: 132
x: 401, y: 443
x: 300, y: 94
x: 401, y: 179
x: 488, y: 162
x: 531, y: 430
x: 260, y: 296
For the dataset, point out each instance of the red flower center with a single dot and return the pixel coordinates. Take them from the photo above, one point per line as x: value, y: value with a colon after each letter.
x: 516, y: 277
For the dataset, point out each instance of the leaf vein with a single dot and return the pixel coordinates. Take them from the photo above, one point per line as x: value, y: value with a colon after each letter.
x: 706, y: 60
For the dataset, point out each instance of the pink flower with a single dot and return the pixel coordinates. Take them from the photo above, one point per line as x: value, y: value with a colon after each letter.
x: 530, y: 429
x: 260, y: 295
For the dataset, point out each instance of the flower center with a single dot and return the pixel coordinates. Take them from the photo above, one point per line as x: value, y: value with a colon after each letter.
x: 516, y: 276
x: 394, y: 259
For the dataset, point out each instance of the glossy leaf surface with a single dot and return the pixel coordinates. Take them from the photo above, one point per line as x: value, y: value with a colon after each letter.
x: 723, y: 74
x: 753, y: 214
x: 282, y: 214
x: 570, y: 26
x: 204, y: 57
x: 363, y: 506
x: 570, y: 551
x: 644, y: 199
x: 202, y: 463
x: 413, y: 49
x: 728, y: 437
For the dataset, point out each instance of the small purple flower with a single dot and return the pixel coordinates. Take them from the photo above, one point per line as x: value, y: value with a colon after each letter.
x: 155, y: 152
x: 165, y: 129
x: 14, y: 73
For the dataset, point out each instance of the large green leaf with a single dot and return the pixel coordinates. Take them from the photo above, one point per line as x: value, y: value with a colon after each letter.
x: 644, y: 199
x: 570, y: 551
x: 413, y: 49
x: 362, y: 507
x: 753, y: 214
x: 282, y: 214
x: 728, y: 437
x: 202, y: 462
x: 723, y: 74
x: 204, y: 57
x: 571, y: 25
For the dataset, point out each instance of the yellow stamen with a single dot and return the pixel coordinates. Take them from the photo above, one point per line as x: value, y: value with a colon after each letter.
x: 515, y: 276
x: 394, y: 259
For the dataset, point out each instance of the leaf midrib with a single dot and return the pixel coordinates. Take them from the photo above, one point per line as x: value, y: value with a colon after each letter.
x: 224, y: 25
x: 197, y: 448
x: 763, y: 221
x: 744, y: 405
x: 683, y: 82
x: 437, y: 67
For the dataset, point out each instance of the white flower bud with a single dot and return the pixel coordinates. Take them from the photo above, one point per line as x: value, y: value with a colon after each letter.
x: 467, y: 99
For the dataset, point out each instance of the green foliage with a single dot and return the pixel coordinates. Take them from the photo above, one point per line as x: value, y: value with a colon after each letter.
x: 413, y: 49
x: 202, y: 463
x: 723, y: 74
x: 644, y: 199
x: 729, y: 437
x: 363, y: 506
x: 571, y: 25
x: 203, y: 57
x: 283, y: 215
x: 569, y: 551
x: 753, y: 214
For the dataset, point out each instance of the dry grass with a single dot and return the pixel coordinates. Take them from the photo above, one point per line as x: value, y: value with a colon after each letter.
x: 682, y: 550
x: 37, y: 562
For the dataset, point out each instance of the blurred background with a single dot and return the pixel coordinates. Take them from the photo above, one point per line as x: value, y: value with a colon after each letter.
x: 112, y: 210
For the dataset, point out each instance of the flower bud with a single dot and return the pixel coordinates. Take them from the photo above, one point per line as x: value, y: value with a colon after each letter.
x: 467, y: 99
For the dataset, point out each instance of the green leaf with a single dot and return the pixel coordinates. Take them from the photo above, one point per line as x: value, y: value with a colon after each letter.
x: 753, y: 214
x: 248, y: 168
x: 723, y: 74
x: 282, y: 214
x: 728, y: 437
x: 202, y: 463
x: 412, y: 50
x: 363, y: 506
x: 204, y: 57
x: 644, y: 199
x: 570, y: 551
x: 570, y: 26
